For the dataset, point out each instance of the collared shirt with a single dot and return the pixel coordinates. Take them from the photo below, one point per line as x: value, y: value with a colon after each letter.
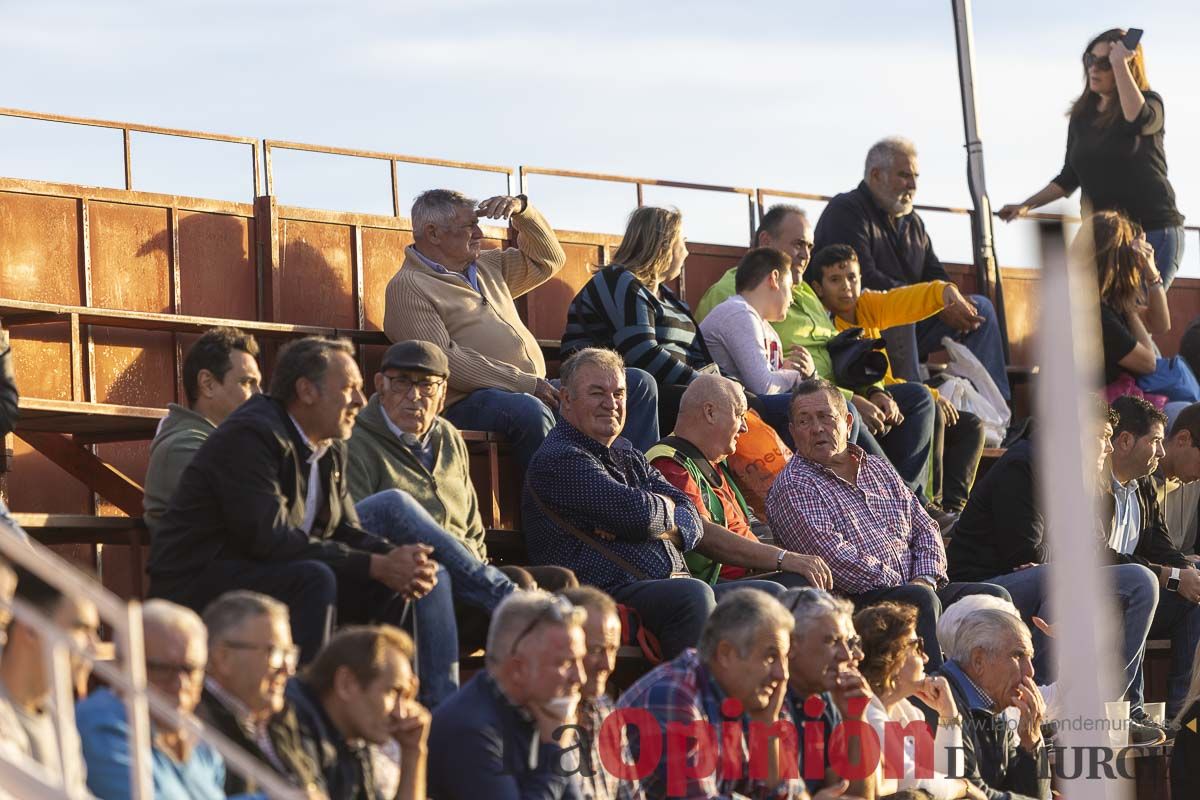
x: 977, y: 698
x: 827, y: 718
x: 255, y: 729
x: 873, y: 533
x: 602, y: 784
x: 470, y: 275
x: 1127, y: 517
x: 311, y: 498
x: 683, y: 691
x: 421, y: 446
x: 612, y: 494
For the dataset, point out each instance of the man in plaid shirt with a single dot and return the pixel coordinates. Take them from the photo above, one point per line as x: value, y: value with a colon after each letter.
x: 738, y: 674
x: 835, y: 501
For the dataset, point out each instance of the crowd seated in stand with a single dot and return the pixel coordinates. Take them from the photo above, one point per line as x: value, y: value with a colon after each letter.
x: 264, y: 505
x: 958, y: 437
x: 358, y: 695
x: 220, y: 372
x: 250, y: 660
x: 1001, y: 539
x: 711, y: 417
x: 1137, y: 533
x: 1179, y: 469
x: 460, y: 298
x: 852, y: 509
x: 877, y: 219
x: 400, y: 443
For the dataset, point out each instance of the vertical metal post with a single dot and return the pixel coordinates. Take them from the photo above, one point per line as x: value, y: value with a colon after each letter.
x: 981, y: 220
x: 128, y: 161
x: 395, y: 190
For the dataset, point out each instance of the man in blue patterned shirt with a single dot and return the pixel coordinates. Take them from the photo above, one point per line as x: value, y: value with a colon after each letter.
x: 593, y: 504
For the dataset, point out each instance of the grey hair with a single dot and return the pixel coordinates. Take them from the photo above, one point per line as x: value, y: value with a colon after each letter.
x: 738, y: 618
x: 162, y: 616
x: 600, y: 357
x: 810, y: 386
x: 438, y: 207
x: 882, y: 154
x: 304, y: 358
x: 986, y: 628
x: 952, y: 616
x: 517, y: 612
x: 774, y: 217
x: 229, y: 611
x: 807, y: 605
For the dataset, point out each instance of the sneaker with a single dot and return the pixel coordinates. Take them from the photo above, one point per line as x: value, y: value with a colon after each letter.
x: 1145, y: 733
x: 945, y: 519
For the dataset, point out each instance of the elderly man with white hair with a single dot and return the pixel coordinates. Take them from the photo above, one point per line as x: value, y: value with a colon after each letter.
x: 877, y: 219
x: 500, y: 735
x: 990, y: 668
x: 183, y: 769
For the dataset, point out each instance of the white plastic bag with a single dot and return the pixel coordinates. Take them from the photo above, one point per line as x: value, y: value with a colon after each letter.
x: 975, y: 391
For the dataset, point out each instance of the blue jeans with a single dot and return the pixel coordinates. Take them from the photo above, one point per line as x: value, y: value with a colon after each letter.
x: 1168, y: 251
x: 1137, y: 594
x: 908, y: 444
x: 908, y: 345
x: 397, y: 517
x: 673, y: 609
x: 525, y: 421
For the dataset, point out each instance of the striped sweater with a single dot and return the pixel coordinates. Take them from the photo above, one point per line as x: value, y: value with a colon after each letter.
x: 485, y: 341
x: 654, y: 333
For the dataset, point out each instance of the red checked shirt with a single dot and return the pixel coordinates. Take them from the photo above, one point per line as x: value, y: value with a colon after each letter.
x: 873, y: 533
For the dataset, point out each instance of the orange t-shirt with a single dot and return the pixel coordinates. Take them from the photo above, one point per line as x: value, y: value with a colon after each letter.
x: 735, y: 518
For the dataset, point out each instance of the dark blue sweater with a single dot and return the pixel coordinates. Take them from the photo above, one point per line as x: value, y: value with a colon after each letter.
x: 479, y: 747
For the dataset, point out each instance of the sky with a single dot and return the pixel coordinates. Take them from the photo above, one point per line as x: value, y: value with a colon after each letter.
x: 785, y: 95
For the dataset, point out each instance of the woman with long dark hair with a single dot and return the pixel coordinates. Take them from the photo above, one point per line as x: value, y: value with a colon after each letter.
x: 1115, y: 150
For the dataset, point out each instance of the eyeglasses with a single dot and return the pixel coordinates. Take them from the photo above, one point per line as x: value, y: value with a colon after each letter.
x: 1102, y: 64
x: 401, y: 385
x: 557, y: 609
x: 916, y: 644
x: 191, y: 672
x: 278, y: 657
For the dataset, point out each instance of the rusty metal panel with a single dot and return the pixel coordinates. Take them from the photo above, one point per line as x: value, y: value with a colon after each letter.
x: 42, y: 360
x: 383, y: 254
x: 216, y: 266
x: 130, y: 257
x: 705, y: 265
x: 36, y: 484
x: 546, y: 306
x: 39, y: 248
x: 134, y: 368
x: 316, y: 274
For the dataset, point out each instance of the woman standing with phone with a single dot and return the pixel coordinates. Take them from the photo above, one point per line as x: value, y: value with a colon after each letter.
x: 1115, y: 149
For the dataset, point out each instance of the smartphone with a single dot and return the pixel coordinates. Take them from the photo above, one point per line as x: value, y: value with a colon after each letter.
x: 1132, y: 38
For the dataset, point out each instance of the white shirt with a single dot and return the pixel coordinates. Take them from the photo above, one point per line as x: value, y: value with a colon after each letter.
x: 947, y: 745
x: 314, y: 477
x: 747, y: 348
x: 1127, y: 517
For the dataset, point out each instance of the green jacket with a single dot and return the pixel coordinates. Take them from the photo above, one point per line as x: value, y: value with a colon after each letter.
x: 379, y: 461
x: 179, y: 436
x: 807, y: 323
x: 685, y: 454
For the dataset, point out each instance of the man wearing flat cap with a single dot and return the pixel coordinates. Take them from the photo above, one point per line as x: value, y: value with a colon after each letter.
x: 401, y: 442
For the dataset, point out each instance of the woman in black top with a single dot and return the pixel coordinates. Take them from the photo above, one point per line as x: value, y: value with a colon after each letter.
x: 1115, y: 151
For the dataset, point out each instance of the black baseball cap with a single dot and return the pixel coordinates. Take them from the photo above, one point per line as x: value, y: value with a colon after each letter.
x: 417, y: 356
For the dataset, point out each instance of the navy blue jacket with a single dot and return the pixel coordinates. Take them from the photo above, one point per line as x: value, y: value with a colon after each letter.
x: 479, y: 747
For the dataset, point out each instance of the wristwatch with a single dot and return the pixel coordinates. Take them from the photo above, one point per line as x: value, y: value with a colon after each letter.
x: 1173, y: 581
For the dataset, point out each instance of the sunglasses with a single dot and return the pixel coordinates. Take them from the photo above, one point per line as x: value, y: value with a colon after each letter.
x: 917, y: 645
x: 277, y: 657
x: 557, y: 609
x: 1101, y: 64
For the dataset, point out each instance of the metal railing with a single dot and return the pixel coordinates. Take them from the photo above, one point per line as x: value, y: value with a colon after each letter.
x: 127, y: 677
x: 128, y: 128
x: 393, y: 159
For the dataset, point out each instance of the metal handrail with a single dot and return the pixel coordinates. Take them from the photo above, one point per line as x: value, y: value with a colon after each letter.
x: 392, y: 158
x: 129, y: 679
x: 127, y: 128
x: 638, y: 184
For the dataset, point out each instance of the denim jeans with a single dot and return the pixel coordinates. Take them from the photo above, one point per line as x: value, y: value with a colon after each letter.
x: 525, y: 421
x: 908, y: 444
x: 397, y: 517
x: 929, y: 605
x: 1137, y: 594
x: 673, y: 609
x: 1168, y: 251
x: 909, y: 345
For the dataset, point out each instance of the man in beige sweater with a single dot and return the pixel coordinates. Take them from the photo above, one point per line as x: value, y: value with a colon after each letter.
x: 450, y: 293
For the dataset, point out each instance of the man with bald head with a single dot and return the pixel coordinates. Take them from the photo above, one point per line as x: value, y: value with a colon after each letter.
x: 712, y: 415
